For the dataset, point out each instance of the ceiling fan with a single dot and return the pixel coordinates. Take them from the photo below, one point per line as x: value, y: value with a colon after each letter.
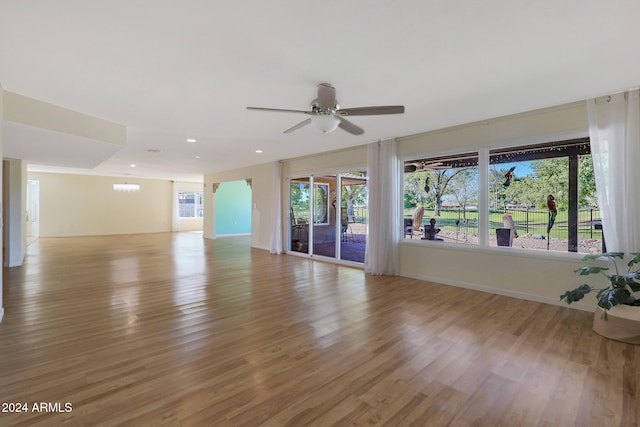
x: 327, y: 115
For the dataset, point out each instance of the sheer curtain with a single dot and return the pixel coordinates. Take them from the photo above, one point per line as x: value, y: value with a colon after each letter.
x: 614, y: 130
x: 276, y: 226
x: 381, y: 255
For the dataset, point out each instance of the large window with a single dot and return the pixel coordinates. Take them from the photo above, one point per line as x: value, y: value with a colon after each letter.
x: 441, y: 199
x: 539, y: 197
x: 190, y: 204
x: 546, y: 195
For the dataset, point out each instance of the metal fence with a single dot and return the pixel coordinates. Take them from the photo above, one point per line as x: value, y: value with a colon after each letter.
x: 527, y: 221
x: 190, y: 210
x: 359, y: 214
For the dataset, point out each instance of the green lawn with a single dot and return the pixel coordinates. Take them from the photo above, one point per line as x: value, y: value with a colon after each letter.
x: 532, y: 221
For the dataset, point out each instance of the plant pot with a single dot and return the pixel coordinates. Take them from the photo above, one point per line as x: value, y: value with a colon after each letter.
x: 621, y: 323
x: 504, y: 236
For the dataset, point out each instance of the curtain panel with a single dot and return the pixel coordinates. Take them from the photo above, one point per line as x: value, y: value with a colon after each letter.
x: 381, y: 256
x: 614, y: 130
x: 276, y: 226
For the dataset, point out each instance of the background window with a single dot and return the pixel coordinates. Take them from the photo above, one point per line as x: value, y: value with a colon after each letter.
x: 190, y: 204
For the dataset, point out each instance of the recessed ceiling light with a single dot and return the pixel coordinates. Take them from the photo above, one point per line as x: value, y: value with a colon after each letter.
x: 197, y: 157
x: 191, y: 140
x: 132, y: 165
x: 258, y: 151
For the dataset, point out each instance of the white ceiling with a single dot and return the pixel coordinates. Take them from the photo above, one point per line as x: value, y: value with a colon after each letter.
x: 173, y: 70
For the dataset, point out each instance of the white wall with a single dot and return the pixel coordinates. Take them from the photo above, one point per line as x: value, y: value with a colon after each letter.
x: 557, y: 123
x: 83, y: 205
x: 1, y: 225
x: 529, y: 274
x: 525, y: 274
x: 333, y: 161
x: 14, y: 190
x: 32, y: 112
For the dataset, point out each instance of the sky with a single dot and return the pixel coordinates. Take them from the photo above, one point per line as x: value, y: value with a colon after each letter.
x: 522, y: 168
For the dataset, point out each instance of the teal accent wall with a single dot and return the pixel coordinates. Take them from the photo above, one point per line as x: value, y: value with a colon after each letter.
x: 233, y: 208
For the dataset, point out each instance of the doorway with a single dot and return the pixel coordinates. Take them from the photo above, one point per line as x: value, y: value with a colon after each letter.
x: 233, y: 211
x: 33, y: 210
x: 327, y: 216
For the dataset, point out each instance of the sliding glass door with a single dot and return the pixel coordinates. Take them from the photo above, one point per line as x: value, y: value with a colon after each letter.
x: 299, y: 214
x: 324, y: 215
x: 353, y: 216
x: 327, y: 216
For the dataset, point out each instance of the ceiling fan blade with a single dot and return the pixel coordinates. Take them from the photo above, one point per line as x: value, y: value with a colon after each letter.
x: 371, y: 111
x: 298, y: 126
x: 350, y: 127
x: 326, y: 96
x: 278, y: 109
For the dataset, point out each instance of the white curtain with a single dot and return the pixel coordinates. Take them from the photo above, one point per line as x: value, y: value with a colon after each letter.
x: 614, y: 130
x: 276, y: 226
x: 381, y: 255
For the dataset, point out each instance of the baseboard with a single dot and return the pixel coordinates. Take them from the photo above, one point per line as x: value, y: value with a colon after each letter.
x: 504, y: 292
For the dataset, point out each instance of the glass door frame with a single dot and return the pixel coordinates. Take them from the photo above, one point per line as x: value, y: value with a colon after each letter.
x: 333, y: 198
x: 292, y: 220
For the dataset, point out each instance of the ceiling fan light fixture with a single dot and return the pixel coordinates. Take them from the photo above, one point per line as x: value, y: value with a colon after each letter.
x: 325, y: 122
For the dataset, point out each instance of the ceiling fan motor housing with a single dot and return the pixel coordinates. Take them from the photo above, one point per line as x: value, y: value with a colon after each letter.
x: 316, y: 109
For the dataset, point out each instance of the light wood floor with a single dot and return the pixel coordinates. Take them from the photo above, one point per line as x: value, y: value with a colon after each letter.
x: 170, y: 329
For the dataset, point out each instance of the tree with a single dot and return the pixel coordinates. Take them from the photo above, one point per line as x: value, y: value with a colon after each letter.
x: 299, y: 196
x: 587, y: 196
x: 464, y: 187
x: 352, y: 195
x: 414, y: 189
x: 428, y: 188
x: 551, y: 177
x: 521, y: 191
x: 496, y: 186
x: 441, y: 181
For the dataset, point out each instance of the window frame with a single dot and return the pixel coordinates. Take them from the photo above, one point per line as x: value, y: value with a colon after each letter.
x: 455, y: 157
x: 198, y: 205
x: 484, y: 156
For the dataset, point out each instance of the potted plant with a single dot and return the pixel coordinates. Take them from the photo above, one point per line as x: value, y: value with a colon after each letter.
x: 616, y: 316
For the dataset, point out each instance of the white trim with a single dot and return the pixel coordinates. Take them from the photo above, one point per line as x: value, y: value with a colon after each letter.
x: 330, y: 260
x: 472, y: 149
x: 483, y: 197
x: 326, y: 171
x: 1, y: 314
x: 497, y: 250
x: 504, y: 292
x: 484, y: 154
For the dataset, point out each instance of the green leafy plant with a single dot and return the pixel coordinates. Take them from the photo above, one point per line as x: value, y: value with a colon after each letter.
x: 622, y: 289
